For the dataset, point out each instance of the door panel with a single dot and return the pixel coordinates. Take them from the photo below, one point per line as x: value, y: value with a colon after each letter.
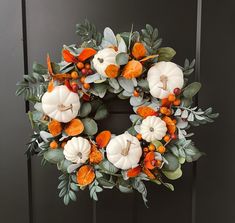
x: 50, y: 25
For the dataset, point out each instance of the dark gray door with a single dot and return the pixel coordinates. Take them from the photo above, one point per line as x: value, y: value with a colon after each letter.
x: 50, y: 24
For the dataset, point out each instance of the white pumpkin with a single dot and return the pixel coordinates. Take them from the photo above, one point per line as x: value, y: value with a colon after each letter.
x: 77, y: 150
x: 61, y: 104
x: 153, y: 128
x: 124, y: 151
x: 103, y: 59
x: 163, y: 78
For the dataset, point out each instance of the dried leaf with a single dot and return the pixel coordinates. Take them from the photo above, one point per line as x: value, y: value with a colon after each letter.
x: 148, y: 58
x: 139, y: 51
x: 145, y: 111
x: 112, y: 71
x: 49, y: 67
x: 169, y: 124
x: 85, y: 175
x: 134, y: 171
x: 132, y: 69
x: 95, y: 156
x: 74, y: 127
x: 102, y: 139
x: 148, y: 160
x: 50, y: 86
x: 68, y: 57
x: 148, y: 173
x: 86, y: 53
x: 55, y: 127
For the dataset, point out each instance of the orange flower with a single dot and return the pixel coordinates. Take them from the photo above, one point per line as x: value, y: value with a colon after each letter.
x: 85, y: 175
x: 145, y: 111
x: 134, y: 171
x: 139, y: 51
x: 95, y: 156
x: 102, y: 139
x: 74, y: 127
x: 55, y: 127
x: 132, y: 69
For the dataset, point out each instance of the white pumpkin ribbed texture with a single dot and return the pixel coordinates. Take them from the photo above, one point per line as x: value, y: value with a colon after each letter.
x: 103, y: 59
x: 163, y: 78
x: 61, y: 104
x: 77, y: 150
x: 124, y: 151
x: 153, y: 128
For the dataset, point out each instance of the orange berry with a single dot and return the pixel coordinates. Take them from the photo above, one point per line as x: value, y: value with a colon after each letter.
x: 87, y: 66
x: 168, y: 113
x: 151, y: 147
x: 146, y: 149
x: 63, y: 144
x: 136, y: 93
x: 158, y: 163
x: 54, y: 145
x: 171, y: 97
x: 80, y: 65
x: 166, y: 138
x: 86, y: 86
x: 177, y: 102
x: 74, y: 75
x: 161, y: 149
x: 164, y: 110
x: 139, y: 136
x: 82, y: 79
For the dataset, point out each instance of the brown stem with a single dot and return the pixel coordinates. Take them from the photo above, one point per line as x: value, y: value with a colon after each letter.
x: 164, y: 80
x: 64, y: 108
x: 125, y: 151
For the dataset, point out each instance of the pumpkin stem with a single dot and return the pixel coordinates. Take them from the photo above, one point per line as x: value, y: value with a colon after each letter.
x: 101, y: 60
x: 64, y: 108
x: 125, y: 151
x: 164, y: 80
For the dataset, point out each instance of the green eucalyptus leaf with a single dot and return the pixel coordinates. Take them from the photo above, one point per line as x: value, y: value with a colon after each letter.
x: 166, y: 53
x: 90, y: 126
x: 191, y: 90
x: 107, y: 166
x: 85, y: 109
x: 101, y: 113
x: 173, y: 175
x: 173, y: 162
x: 122, y: 58
x: 54, y: 155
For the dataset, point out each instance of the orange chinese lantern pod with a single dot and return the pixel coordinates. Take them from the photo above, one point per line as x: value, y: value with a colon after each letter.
x: 132, y: 69
x: 150, y: 175
x: 139, y: 51
x: 112, y: 71
x: 50, y: 86
x: 55, y: 127
x: 95, y: 156
x: 74, y: 127
x: 102, y: 139
x: 68, y: 57
x: 85, y: 175
x: 86, y: 53
x: 149, y: 160
x: 134, y: 172
x: 145, y: 111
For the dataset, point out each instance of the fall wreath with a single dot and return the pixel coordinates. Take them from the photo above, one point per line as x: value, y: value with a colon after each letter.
x: 68, y: 98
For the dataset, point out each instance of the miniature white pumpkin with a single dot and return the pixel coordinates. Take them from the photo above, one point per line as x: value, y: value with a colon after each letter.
x: 153, y: 128
x: 77, y: 150
x: 103, y: 59
x: 61, y: 104
x: 124, y: 151
x: 163, y: 78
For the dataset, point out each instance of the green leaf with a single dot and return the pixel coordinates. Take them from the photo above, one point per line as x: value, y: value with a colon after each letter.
x: 101, y: 113
x: 85, y: 109
x: 173, y: 162
x: 173, y: 175
x: 54, y: 155
x: 90, y: 126
x: 107, y: 166
x: 122, y: 58
x: 105, y: 182
x: 191, y: 90
x: 63, y: 165
x: 166, y: 53
x: 99, y: 89
x: 125, y: 189
x: 38, y: 68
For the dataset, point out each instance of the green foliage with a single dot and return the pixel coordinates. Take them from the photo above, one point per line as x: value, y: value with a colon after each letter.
x: 165, y: 54
x: 94, y: 189
x: 88, y: 33
x: 101, y: 113
x: 191, y: 90
x: 90, y: 126
x: 68, y: 187
x: 122, y: 58
x: 54, y: 155
x: 188, y: 67
x: 149, y: 36
x: 34, y: 85
x: 32, y: 145
x: 173, y: 162
x: 85, y: 109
